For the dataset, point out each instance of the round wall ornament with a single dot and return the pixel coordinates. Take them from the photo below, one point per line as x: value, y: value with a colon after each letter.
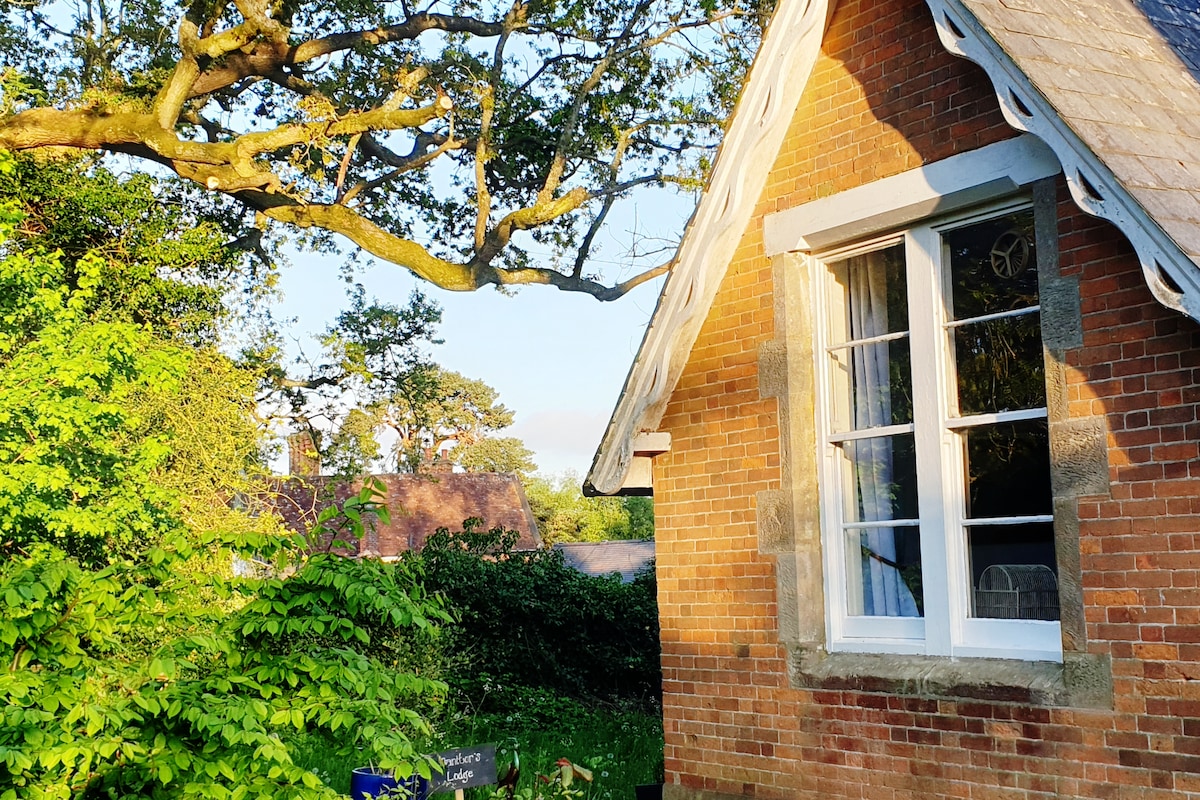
x: 1010, y: 254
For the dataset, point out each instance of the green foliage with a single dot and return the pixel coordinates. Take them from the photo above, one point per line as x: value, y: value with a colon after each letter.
x: 382, y: 343
x: 137, y: 665
x: 109, y: 693
x: 495, y: 454
x: 78, y: 457
x: 158, y: 259
x: 622, y: 748
x: 564, y: 515
x: 525, y: 621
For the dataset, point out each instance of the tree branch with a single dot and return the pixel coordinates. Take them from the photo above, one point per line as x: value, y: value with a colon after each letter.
x: 408, y: 165
x: 271, y: 57
x: 298, y: 96
x: 447, y: 274
x: 585, y: 247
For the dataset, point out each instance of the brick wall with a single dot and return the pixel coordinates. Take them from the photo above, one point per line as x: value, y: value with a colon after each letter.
x: 885, y: 97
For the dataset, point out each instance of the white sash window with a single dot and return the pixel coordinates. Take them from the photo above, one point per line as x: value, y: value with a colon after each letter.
x: 935, y: 490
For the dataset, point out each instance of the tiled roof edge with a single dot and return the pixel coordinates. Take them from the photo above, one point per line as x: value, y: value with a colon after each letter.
x: 1173, y: 278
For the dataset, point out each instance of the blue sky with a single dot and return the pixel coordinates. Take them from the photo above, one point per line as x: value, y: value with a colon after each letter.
x: 557, y: 359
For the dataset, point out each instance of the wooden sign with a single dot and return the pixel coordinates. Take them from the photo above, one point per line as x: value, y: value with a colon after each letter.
x: 464, y: 768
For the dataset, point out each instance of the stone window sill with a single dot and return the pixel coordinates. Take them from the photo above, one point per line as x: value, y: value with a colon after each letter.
x: 1083, y: 680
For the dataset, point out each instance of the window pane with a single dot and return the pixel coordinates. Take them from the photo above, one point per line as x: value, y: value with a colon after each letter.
x: 884, y: 580
x: 876, y: 295
x: 872, y: 381
x: 876, y: 385
x: 1008, y: 470
x: 882, y: 473
x: 883, y: 564
x: 993, y: 265
x: 1013, y: 571
x: 999, y: 365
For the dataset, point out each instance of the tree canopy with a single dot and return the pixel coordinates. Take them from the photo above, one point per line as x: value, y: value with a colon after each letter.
x: 449, y: 138
x: 564, y: 515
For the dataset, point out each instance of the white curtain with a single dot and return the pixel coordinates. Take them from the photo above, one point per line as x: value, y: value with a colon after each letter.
x: 884, y: 591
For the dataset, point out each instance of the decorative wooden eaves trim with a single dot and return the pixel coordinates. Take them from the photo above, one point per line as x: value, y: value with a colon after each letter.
x: 1172, y: 276
x: 756, y: 133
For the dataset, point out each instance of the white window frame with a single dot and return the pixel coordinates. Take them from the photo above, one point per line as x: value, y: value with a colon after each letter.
x: 947, y: 629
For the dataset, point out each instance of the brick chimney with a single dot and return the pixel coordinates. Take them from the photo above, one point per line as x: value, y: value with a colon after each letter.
x: 303, y: 457
x: 442, y: 463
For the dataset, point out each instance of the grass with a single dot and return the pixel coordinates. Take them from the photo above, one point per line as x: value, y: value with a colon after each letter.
x: 623, y: 748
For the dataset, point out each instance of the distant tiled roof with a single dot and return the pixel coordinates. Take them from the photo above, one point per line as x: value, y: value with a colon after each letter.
x: 628, y: 557
x: 419, y: 505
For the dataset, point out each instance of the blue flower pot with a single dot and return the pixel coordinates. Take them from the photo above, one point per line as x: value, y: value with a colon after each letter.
x: 367, y: 783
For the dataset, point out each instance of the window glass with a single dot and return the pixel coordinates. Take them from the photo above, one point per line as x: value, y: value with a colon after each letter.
x: 878, y: 385
x: 883, y: 475
x: 1013, y: 571
x: 871, y: 368
x: 870, y: 351
x: 993, y: 266
x: 1013, y: 568
x: 998, y: 360
x: 1008, y: 469
x: 884, y: 572
x: 874, y: 284
x: 999, y: 365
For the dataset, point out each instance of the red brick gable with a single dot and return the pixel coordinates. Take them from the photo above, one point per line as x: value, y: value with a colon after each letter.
x: 418, y: 506
x: 885, y: 97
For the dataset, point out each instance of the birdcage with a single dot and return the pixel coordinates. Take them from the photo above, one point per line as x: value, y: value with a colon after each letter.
x: 1017, y: 591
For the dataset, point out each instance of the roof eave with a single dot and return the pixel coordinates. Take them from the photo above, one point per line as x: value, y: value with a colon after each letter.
x: 756, y: 131
x: 1171, y: 275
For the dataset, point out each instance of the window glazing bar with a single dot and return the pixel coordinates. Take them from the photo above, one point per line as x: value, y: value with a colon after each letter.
x: 976, y: 420
x: 1017, y: 312
x: 870, y: 433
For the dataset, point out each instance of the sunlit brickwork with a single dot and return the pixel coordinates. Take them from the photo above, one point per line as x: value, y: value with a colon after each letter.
x: 885, y: 97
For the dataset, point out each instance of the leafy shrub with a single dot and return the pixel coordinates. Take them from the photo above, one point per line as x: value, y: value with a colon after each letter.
x: 136, y: 664
x: 119, y: 686
x: 528, y: 621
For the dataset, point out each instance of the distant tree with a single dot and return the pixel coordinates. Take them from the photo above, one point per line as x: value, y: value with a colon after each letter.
x: 371, y: 352
x: 495, y: 454
x: 376, y: 363
x: 641, y: 516
x: 564, y: 515
x: 443, y: 410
